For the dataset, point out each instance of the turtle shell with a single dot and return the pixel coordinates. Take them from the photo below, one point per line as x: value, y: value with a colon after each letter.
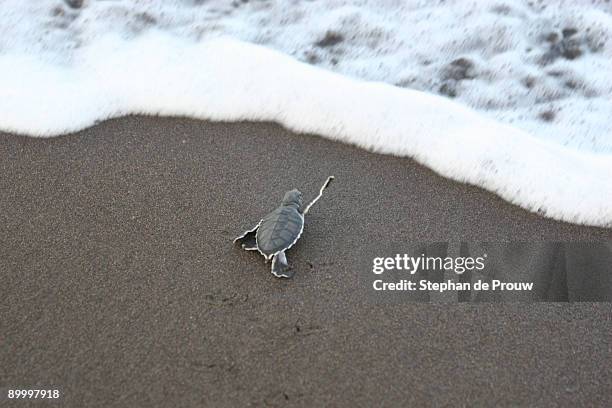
x: 279, y: 230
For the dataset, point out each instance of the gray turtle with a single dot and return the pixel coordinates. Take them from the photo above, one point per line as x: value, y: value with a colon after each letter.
x: 279, y: 231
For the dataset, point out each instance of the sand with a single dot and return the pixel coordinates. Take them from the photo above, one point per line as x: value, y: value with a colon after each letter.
x: 120, y: 285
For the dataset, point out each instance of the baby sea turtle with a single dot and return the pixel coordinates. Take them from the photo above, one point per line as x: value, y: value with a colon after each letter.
x: 279, y: 231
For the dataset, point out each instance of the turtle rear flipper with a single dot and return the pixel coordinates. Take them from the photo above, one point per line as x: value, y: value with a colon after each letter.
x: 280, y: 267
x: 248, y: 240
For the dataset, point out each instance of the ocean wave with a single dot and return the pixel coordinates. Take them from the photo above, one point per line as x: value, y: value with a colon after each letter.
x: 224, y: 79
x: 542, y: 66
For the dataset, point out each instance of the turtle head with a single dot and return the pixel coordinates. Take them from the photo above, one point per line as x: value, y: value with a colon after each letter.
x: 293, y: 197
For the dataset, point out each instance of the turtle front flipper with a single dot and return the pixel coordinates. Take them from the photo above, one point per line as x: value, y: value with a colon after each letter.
x: 248, y: 240
x: 280, y: 267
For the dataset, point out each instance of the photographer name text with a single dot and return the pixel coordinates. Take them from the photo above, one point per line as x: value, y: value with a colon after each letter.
x: 449, y: 285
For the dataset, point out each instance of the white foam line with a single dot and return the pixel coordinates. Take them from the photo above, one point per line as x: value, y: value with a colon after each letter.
x: 224, y: 79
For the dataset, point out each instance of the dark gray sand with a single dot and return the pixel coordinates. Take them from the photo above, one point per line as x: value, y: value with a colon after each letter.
x: 121, y: 287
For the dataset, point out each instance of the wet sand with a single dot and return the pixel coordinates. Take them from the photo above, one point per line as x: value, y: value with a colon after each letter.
x: 120, y: 285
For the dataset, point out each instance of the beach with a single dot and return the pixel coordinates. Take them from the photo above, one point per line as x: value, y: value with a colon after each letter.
x: 121, y: 285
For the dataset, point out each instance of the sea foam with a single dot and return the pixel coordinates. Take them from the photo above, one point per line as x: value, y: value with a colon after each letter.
x: 224, y: 79
x: 541, y: 66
